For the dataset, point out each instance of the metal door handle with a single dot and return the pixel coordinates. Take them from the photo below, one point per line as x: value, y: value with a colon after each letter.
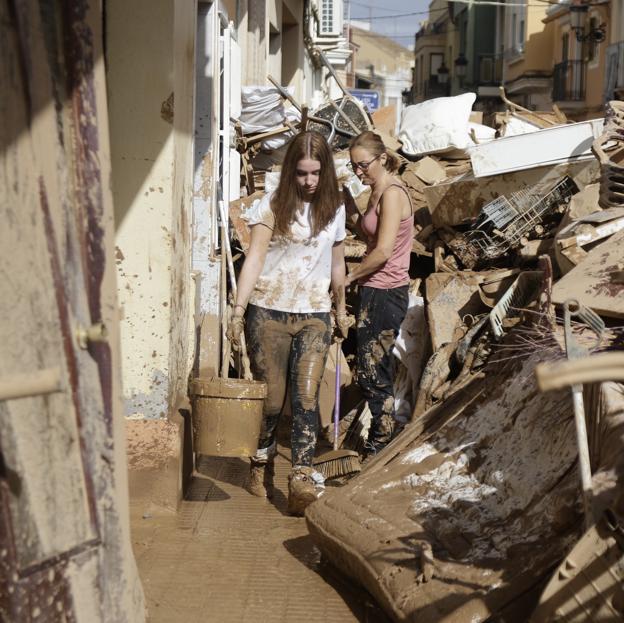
x: 95, y: 333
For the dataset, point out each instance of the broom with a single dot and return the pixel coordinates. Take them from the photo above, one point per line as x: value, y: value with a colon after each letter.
x: 336, y: 463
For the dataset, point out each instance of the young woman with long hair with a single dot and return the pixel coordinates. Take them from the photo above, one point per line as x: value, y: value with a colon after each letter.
x: 382, y: 278
x: 283, y: 302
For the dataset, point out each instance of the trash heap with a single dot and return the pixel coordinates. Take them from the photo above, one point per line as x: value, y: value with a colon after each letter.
x: 518, y: 240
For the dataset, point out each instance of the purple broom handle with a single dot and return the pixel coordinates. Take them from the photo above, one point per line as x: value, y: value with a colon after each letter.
x: 337, y: 396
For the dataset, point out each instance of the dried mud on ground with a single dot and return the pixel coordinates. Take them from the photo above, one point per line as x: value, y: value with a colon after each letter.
x: 230, y: 557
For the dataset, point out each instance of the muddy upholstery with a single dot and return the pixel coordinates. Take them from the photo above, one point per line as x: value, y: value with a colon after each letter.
x: 492, y: 492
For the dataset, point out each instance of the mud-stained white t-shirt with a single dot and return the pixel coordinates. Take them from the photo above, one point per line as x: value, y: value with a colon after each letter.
x: 297, y: 271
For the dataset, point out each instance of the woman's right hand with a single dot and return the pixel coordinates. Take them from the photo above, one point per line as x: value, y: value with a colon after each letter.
x: 344, y: 322
x: 235, y: 330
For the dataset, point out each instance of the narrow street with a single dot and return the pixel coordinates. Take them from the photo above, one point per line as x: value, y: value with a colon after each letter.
x: 385, y: 235
x: 230, y: 557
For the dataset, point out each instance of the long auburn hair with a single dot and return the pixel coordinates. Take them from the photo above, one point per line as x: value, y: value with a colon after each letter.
x: 288, y: 198
x: 374, y: 144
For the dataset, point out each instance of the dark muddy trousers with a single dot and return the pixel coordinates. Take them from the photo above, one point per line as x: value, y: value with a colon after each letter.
x: 289, y: 351
x: 380, y: 315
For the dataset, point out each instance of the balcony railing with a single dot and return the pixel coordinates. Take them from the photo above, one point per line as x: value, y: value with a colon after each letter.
x: 569, y: 81
x: 433, y: 88
x: 489, y: 69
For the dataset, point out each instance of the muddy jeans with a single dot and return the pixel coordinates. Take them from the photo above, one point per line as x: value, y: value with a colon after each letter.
x: 289, y: 350
x: 380, y: 315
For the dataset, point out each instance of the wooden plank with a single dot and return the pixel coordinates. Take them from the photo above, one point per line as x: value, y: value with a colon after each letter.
x: 594, y: 281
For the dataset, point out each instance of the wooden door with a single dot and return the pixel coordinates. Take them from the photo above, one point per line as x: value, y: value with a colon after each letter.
x: 64, y: 538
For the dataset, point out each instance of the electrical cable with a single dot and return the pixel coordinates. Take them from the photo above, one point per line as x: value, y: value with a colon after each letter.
x: 535, y: 3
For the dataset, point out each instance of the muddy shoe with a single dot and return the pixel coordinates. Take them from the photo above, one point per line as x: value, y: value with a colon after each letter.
x: 261, y: 479
x: 370, y: 451
x: 301, y: 490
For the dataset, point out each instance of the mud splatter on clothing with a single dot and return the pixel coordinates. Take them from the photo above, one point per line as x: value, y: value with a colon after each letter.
x: 296, y: 274
x: 380, y: 315
x: 289, y: 350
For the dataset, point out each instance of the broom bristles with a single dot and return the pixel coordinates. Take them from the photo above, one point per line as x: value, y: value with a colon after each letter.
x: 338, y: 463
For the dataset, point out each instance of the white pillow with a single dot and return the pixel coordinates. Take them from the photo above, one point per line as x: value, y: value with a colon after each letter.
x: 437, y: 125
x: 483, y: 133
x: 516, y: 126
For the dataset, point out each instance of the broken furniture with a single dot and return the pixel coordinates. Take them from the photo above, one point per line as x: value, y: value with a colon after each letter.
x: 611, y: 160
x: 450, y: 297
x: 336, y: 120
x: 346, y: 114
x: 485, y: 479
x: 458, y: 200
x: 506, y: 222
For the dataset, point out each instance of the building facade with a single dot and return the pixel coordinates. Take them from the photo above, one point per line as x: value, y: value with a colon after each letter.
x: 578, y: 54
x: 569, y: 53
x: 382, y: 65
x: 455, y: 52
x: 174, y: 164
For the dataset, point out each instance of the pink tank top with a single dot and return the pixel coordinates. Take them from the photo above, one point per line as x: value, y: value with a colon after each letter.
x: 394, y: 272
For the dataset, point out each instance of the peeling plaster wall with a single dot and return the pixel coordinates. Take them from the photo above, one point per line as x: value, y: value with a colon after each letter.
x: 150, y: 189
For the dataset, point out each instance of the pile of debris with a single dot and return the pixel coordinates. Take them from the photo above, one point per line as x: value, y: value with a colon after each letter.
x: 517, y: 250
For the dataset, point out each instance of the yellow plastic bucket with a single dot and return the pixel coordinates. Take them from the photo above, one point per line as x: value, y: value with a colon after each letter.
x: 227, y: 416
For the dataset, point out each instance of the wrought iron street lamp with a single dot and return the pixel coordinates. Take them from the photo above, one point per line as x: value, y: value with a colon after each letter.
x: 578, y: 15
x: 460, y: 67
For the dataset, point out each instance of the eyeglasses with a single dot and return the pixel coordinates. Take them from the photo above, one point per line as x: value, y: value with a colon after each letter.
x: 363, y: 166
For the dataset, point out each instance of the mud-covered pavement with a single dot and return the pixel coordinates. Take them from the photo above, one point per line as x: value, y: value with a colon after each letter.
x: 228, y: 556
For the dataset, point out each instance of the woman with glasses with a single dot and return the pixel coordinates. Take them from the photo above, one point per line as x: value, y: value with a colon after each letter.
x: 382, y: 278
x: 295, y: 255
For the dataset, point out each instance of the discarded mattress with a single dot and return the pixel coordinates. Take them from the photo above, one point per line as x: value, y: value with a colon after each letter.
x: 485, y: 482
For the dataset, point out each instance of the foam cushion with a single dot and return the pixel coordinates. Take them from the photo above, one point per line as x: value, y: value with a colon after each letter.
x: 486, y: 478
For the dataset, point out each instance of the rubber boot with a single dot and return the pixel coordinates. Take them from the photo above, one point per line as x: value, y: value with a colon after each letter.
x: 261, y: 475
x: 301, y: 490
